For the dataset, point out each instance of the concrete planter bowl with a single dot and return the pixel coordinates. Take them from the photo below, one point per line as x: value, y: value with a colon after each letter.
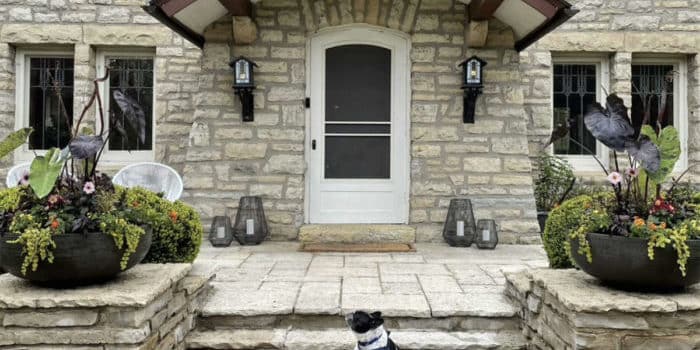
x: 623, y: 263
x: 79, y: 259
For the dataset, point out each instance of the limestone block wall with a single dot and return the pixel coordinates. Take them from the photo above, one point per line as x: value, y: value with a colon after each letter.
x: 199, y: 131
x: 486, y: 161
x: 84, y: 26
x: 149, y: 307
x: 620, y: 30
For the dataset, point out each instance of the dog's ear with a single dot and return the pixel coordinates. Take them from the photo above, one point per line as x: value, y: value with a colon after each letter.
x: 377, y: 319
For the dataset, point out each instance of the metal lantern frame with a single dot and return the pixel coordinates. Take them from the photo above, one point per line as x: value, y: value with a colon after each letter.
x: 459, y: 226
x: 486, y: 234
x: 243, y: 88
x: 216, y: 236
x: 250, y: 227
x: 473, y: 85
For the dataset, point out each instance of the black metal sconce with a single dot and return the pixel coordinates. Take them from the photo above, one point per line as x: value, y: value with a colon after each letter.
x: 244, y: 84
x: 473, y: 85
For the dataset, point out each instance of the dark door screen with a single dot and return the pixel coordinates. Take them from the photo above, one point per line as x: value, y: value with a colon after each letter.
x: 358, y: 113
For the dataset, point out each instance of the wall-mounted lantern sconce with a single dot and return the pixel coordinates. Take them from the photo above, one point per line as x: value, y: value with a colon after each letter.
x: 244, y: 84
x: 473, y: 85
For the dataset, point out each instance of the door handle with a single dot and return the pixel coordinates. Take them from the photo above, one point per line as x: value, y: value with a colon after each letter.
x: 313, y: 145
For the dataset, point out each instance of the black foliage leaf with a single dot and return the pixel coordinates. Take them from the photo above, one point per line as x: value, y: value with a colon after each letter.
x: 611, y: 125
x: 85, y: 147
x: 118, y: 126
x: 646, y: 152
x: 616, y: 106
x: 133, y: 113
x: 79, y: 224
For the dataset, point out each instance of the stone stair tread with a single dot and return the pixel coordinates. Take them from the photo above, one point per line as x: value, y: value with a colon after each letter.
x: 357, y: 233
x: 342, y: 339
x: 284, y: 302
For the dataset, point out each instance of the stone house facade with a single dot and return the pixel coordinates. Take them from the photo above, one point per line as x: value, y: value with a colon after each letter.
x: 196, y: 118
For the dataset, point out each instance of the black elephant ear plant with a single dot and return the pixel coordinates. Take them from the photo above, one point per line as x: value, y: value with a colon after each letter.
x: 65, y: 223
x: 645, y: 238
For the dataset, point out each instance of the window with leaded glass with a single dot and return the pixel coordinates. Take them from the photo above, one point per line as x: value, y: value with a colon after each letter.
x: 660, y: 95
x: 575, y: 88
x: 133, y: 76
x: 49, y: 101
x: 652, y: 93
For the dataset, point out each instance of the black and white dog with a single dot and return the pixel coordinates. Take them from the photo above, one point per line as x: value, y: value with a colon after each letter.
x: 370, y: 332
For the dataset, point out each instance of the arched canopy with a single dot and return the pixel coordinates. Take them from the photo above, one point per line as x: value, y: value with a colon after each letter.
x: 529, y: 19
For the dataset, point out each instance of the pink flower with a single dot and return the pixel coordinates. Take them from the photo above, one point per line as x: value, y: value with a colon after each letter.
x: 89, y: 187
x: 632, y: 172
x: 615, y: 178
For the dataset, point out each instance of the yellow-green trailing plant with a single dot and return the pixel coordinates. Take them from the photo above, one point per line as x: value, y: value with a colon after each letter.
x: 564, y: 220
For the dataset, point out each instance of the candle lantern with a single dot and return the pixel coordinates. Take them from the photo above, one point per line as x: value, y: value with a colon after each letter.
x: 251, y: 226
x: 459, y: 226
x: 221, y: 234
x: 486, y: 234
x: 472, y: 85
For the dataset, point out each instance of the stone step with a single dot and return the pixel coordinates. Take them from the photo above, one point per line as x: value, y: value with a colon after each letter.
x: 343, y: 339
x: 319, y: 322
x: 354, y: 233
x: 281, y: 304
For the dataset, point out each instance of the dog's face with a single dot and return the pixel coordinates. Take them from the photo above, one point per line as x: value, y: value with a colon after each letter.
x: 361, y: 322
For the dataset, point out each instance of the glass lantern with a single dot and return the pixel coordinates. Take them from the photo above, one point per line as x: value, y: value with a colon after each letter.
x: 221, y: 234
x: 251, y: 226
x: 459, y: 225
x: 486, y: 234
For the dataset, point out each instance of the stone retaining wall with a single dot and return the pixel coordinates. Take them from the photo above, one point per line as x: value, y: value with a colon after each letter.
x: 567, y: 309
x: 148, y: 307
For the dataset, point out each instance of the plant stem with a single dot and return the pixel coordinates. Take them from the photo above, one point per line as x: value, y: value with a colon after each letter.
x: 592, y: 154
x: 566, y: 193
x: 646, y: 189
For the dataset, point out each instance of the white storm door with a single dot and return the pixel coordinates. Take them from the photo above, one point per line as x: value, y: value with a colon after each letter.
x: 359, y: 124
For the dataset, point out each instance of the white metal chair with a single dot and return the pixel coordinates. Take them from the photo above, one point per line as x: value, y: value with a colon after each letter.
x: 16, y: 174
x: 155, y: 177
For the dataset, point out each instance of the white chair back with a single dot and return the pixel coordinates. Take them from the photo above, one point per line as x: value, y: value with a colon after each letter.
x: 16, y: 173
x: 155, y: 177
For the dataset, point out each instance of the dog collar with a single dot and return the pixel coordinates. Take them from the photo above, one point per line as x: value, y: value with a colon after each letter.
x: 372, y: 341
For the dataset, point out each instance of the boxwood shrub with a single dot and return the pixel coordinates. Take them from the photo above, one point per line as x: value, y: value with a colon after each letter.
x: 563, y: 220
x: 177, y: 229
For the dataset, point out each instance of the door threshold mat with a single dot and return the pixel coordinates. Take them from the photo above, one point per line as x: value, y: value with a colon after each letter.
x: 357, y: 248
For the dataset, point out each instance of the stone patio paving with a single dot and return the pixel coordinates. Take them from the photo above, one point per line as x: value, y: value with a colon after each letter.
x: 436, y: 281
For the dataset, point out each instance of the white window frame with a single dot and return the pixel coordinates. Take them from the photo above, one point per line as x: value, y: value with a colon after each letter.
x: 22, y: 81
x: 122, y: 157
x: 585, y: 163
x: 680, y: 99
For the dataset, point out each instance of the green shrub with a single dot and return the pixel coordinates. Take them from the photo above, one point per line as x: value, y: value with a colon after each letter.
x: 177, y: 229
x: 565, y: 219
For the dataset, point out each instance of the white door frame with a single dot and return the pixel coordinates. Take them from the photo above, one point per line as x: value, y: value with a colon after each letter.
x: 400, y: 45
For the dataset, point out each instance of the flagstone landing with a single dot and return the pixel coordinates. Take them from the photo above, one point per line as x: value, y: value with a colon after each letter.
x: 436, y: 281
